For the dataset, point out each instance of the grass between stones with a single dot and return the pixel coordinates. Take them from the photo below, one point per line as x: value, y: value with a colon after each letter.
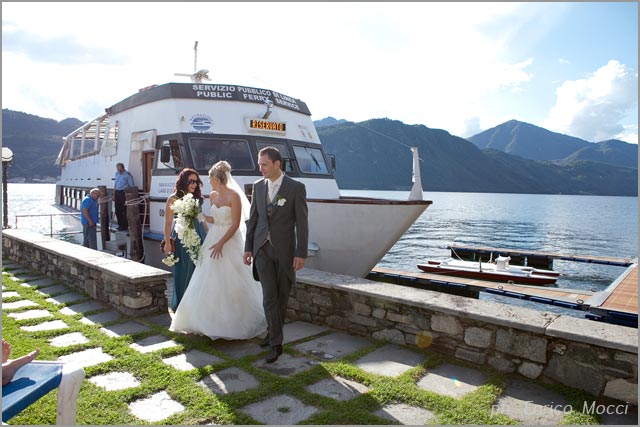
x: 96, y: 406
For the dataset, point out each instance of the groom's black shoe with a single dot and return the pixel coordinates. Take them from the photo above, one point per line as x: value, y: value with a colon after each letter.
x: 276, y: 351
x: 265, y: 342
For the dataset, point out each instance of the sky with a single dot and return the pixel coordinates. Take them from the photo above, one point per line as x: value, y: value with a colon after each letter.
x: 570, y: 67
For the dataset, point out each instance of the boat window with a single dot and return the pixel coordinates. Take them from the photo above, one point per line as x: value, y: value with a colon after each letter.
x: 89, y: 139
x: 281, y: 146
x: 175, y: 161
x: 310, y: 160
x: 206, y: 152
x: 287, y: 161
x: 110, y: 140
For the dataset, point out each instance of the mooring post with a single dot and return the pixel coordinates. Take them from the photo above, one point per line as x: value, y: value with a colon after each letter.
x: 133, y: 217
x: 105, y: 204
x: 7, y: 160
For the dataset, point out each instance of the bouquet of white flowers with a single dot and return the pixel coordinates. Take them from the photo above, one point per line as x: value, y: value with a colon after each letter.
x: 187, y: 209
x: 170, y: 260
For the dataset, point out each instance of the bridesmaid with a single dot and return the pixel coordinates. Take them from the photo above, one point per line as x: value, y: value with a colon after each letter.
x: 188, y: 181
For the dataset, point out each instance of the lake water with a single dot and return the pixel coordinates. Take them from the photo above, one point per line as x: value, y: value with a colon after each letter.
x: 581, y: 225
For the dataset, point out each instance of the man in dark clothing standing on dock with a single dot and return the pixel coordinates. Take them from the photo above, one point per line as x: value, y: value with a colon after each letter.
x: 123, y: 180
x: 276, y: 241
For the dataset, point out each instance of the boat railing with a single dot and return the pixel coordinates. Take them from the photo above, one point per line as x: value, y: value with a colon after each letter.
x: 51, y: 233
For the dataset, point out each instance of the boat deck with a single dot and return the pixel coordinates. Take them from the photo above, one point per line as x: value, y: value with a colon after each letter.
x: 569, y: 298
x: 532, y: 256
x: 619, y: 302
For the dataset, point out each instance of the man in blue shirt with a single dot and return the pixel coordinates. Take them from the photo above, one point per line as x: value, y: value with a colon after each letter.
x: 89, y: 218
x: 123, y: 180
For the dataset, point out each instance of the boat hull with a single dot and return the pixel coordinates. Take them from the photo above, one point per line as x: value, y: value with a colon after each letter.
x: 352, y: 235
x: 495, y: 276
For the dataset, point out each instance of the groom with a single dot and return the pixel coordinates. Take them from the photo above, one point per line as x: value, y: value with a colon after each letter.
x: 277, y: 236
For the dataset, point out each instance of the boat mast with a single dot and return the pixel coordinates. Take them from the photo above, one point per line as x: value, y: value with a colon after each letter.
x: 195, y: 57
x: 198, y: 75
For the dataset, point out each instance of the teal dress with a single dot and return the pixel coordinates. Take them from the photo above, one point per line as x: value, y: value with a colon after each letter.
x: 183, y: 269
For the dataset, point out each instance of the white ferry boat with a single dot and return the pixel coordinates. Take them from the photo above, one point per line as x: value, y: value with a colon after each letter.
x: 161, y: 129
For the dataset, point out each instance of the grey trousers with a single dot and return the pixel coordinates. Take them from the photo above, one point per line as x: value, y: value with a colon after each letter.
x: 90, y: 236
x: 276, y: 286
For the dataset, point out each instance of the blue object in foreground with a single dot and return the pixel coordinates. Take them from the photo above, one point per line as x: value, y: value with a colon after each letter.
x: 30, y: 383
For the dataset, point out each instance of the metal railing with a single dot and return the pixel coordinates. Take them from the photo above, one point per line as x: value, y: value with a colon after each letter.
x: 51, y: 233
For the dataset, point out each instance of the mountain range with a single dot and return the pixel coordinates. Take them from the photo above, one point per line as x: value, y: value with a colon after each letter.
x: 375, y: 155
x: 35, y: 142
x: 514, y: 157
x: 536, y: 143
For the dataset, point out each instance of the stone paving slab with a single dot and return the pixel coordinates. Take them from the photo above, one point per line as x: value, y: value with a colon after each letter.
x: 41, y: 282
x: 29, y: 279
x: 65, y: 298
x: 229, y: 380
x: 338, y: 388
x: 10, y: 294
x: 298, y: 330
x: 405, y: 414
x: 237, y: 348
x: 18, y: 304
x: 128, y: 328
x: 67, y: 340
x: 286, y: 365
x: 390, y: 360
x: 83, y: 307
x: 332, y: 346
x: 30, y: 314
x: 279, y: 410
x: 9, y: 264
x: 628, y: 419
x: 53, y: 290
x: 452, y: 380
x: 22, y: 271
x: 156, y: 407
x: 46, y: 326
x: 115, y: 381
x: 531, y: 403
x: 192, y: 359
x: 163, y: 319
x: 90, y: 357
x: 153, y: 343
x: 102, y: 318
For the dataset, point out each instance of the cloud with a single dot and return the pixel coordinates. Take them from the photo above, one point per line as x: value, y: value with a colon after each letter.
x: 629, y: 134
x: 471, y: 127
x: 431, y: 63
x: 57, y: 50
x: 564, y: 61
x: 593, y: 108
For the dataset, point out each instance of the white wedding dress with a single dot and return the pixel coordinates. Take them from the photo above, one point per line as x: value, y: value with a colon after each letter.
x: 222, y: 300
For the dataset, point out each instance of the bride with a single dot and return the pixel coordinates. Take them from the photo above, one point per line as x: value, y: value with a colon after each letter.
x: 222, y: 299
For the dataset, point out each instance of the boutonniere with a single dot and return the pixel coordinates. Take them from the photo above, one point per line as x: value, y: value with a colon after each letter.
x: 280, y: 201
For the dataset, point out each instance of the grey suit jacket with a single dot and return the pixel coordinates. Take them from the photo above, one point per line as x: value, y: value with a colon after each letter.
x: 287, y: 220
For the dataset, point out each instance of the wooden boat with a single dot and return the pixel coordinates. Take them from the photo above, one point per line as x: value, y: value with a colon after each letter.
x: 499, y: 271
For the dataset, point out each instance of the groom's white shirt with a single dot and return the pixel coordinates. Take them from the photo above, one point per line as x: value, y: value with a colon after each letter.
x: 274, y: 186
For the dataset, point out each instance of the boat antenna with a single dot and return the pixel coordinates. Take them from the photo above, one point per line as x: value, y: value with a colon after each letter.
x: 195, y: 57
x: 199, y: 75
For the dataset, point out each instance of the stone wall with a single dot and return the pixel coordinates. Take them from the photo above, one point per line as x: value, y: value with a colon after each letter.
x: 130, y: 287
x: 599, y: 358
